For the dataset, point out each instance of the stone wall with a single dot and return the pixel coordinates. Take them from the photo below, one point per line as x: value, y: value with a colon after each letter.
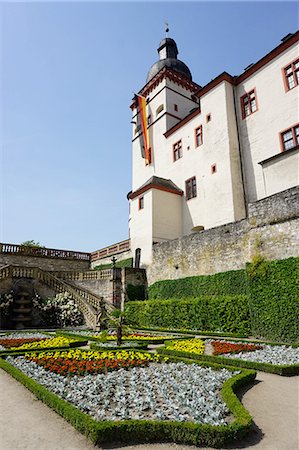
x: 270, y: 229
x: 44, y: 263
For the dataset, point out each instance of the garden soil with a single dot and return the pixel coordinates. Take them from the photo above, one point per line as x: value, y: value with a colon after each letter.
x: 27, y: 424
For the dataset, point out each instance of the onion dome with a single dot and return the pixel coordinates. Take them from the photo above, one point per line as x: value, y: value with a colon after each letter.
x: 168, y: 52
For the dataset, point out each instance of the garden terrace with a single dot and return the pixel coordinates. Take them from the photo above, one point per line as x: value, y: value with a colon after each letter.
x: 203, y: 422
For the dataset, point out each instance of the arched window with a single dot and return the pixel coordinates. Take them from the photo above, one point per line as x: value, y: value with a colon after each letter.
x: 137, y: 258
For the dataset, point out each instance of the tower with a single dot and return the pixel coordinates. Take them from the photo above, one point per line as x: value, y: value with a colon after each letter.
x: 155, y: 200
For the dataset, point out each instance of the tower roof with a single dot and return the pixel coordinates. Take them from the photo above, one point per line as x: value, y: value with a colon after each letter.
x: 168, y: 52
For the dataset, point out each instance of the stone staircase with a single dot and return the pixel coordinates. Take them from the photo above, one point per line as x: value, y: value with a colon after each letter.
x: 89, y: 304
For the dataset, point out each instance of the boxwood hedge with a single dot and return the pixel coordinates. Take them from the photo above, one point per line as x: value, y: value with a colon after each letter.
x: 214, y: 313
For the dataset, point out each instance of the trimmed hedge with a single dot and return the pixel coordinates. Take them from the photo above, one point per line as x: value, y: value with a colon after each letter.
x: 274, y: 298
x: 141, y: 431
x: 192, y: 333
x: 264, y: 367
x: 119, y: 264
x: 214, y: 313
x: 233, y: 282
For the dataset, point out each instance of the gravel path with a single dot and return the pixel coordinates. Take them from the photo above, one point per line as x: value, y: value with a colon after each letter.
x: 27, y: 424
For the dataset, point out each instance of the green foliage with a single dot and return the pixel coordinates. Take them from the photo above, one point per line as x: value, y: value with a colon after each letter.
x: 31, y: 244
x: 119, y: 264
x: 141, y: 431
x: 274, y: 298
x: 213, y: 313
x: 221, y: 360
x: 225, y: 283
x: 136, y: 292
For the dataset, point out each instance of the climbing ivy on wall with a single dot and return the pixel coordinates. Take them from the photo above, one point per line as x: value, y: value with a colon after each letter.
x: 262, y: 300
x: 233, y: 282
x: 274, y: 298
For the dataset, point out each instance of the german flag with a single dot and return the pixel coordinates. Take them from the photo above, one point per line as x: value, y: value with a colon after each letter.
x: 141, y: 102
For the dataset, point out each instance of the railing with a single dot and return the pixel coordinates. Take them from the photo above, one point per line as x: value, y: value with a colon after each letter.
x: 83, y: 276
x: 120, y: 247
x: 88, y: 303
x: 14, y: 249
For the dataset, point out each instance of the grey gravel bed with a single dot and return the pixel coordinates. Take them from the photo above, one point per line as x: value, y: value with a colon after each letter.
x: 180, y: 392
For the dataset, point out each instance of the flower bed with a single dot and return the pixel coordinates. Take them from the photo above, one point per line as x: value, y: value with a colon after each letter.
x: 174, y: 391
x: 279, y: 359
x: 78, y: 363
x: 194, y: 346
x: 222, y: 347
x: 109, y: 406
x: 49, y: 343
x: 17, y: 339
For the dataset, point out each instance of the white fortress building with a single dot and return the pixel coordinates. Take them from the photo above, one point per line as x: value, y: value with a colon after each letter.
x: 209, y: 150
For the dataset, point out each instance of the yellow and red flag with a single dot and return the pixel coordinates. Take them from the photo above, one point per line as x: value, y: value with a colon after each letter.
x: 141, y: 101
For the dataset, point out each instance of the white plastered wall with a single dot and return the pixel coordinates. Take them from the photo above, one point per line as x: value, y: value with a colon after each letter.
x: 259, y: 132
x: 282, y: 173
x: 141, y: 226
x: 167, y: 215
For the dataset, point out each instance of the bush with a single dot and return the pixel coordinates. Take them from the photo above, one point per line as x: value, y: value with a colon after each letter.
x: 233, y: 282
x: 119, y: 264
x: 274, y: 298
x: 213, y: 313
x: 60, y: 310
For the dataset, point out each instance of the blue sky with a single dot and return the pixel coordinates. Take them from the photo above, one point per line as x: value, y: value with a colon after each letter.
x: 68, y: 72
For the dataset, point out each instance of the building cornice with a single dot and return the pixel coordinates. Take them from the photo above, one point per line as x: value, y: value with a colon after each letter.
x: 171, y: 75
x: 269, y: 57
x: 182, y: 122
x: 280, y: 156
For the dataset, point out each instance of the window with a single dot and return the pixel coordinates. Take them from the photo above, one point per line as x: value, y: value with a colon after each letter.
x: 290, y: 138
x: 208, y: 118
x: 177, y: 150
x: 141, y: 202
x: 159, y: 109
x: 213, y: 168
x: 198, y: 136
x: 248, y: 103
x: 191, y: 191
x: 175, y: 107
x: 149, y: 119
x: 291, y: 75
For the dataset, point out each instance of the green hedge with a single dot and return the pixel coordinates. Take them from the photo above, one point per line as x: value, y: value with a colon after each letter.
x: 119, y: 264
x: 274, y: 298
x: 225, y: 283
x: 285, y: 370
x: 214, y: 313
x: 141, y: 431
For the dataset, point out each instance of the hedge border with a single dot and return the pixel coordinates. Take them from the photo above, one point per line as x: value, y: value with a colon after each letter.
x: 139, y: 431
x: 286, y: 370
x: 38, y: 349
x: 145, y: 341
x: 192, y: 332
x: 95, y: 346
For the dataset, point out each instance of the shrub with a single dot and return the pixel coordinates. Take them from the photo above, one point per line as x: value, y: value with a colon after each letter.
x: 213, y: 313
x: 274, y: 298
x: 60, y: 310
x: 119, y: 264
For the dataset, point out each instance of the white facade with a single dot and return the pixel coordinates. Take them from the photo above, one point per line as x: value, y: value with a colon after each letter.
x: 239, y: 160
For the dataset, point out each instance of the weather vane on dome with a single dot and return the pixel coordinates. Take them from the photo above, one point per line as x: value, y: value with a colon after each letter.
x: 166, y: 28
